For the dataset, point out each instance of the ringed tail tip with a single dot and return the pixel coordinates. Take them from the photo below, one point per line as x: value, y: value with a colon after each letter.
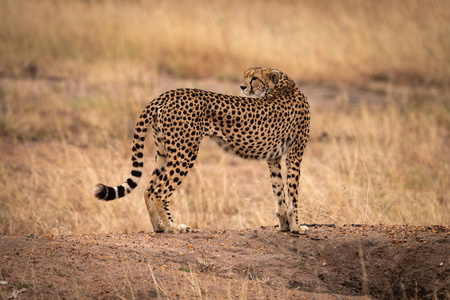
x: 100, y: 191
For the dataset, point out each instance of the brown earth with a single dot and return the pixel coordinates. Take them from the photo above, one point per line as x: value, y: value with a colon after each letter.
x: 331, y: 262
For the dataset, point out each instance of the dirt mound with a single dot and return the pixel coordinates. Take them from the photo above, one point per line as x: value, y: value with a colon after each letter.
x: 351, y: 261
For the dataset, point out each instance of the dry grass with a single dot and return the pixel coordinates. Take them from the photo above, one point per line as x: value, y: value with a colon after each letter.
x: 366, y: 162
x: 98, y: 64
x: 384, y: 163
x: 313, y: 40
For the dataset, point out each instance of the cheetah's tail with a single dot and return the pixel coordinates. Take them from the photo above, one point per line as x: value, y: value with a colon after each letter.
x: 107, y: 193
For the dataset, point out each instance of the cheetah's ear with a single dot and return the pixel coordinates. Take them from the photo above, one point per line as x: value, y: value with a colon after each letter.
x: 275, y: 76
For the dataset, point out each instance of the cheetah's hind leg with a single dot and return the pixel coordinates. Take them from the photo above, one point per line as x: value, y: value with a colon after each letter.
x: 158, y: 171
x: 176, y: 169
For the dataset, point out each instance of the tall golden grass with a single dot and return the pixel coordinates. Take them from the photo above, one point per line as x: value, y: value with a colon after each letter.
x: 313, y: 40
x: 74, y: 76
x: 366, y: 162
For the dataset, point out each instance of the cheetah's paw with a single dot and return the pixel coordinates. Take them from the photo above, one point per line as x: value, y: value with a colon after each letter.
x: 183, y: 228
x: 300, y: 230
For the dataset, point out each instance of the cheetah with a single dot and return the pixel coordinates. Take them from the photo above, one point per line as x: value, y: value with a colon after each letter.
x: 273, y: 120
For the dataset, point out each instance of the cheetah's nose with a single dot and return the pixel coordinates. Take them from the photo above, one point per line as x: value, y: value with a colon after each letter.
x: 243, y: 87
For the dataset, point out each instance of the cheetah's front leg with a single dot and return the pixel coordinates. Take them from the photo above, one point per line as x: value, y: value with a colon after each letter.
x: 278, y: 191
x: 293, y: 161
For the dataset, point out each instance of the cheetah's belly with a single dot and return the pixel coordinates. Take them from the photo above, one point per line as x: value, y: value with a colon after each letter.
x: 257, y: 150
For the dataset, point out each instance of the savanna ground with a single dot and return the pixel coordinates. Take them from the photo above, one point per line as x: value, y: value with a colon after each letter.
x: 74, y: 78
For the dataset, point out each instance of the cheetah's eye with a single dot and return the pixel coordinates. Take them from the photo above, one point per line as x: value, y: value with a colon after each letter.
x: 254, y: 78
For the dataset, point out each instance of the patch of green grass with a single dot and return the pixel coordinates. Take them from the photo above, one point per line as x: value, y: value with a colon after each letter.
x: 184, y: 269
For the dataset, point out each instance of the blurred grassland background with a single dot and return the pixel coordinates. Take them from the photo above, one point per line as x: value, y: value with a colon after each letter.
x: 313, y: 40
x: 74, y: 76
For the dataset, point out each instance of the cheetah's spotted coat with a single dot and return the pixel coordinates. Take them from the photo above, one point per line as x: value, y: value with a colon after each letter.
x: 264, y: 128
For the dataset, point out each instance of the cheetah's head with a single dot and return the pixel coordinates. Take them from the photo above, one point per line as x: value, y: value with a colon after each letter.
x: 259, y: 81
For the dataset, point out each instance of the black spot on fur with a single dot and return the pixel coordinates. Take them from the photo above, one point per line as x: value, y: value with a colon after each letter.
x: 136, y: 173
x: 131, y: 183
x: 111, y: 194
x: 121, y: 191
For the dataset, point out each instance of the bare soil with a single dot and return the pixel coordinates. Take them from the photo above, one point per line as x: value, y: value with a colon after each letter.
x: 331, y: 262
